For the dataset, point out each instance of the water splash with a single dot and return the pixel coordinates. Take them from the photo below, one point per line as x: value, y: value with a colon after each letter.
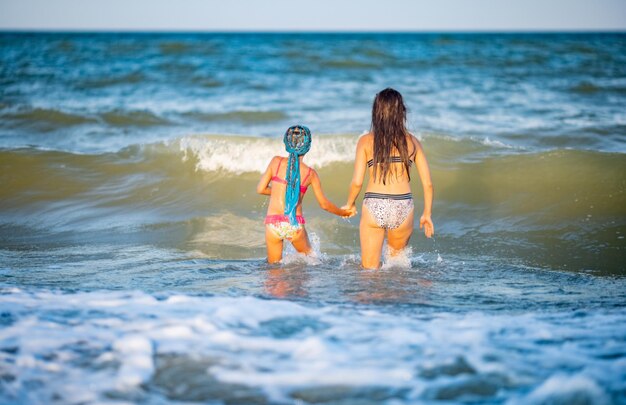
x: 436, y: 251
x: 397, y: 258
x: 314, y: 258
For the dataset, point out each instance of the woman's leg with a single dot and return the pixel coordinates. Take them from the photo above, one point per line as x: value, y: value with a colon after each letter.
x: 372, y: 237
x: 398, y: 238
x: 301, y: 242
x: 274, y: 246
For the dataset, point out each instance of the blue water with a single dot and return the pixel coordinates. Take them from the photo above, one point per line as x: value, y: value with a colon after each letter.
x: 131, y: 240
x: 527, y: 90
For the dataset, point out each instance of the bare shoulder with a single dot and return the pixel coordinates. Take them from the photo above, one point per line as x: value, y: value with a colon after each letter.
x: 313, y: 177
x: 417, y: 146
x: 273, y: 163
x: 366, y: 138
x: 366, y: 142
x: 313, y: 173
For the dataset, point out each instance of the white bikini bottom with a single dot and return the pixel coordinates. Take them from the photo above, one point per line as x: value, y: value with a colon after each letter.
x: 389, y: 210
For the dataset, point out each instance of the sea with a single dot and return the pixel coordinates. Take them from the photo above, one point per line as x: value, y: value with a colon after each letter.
x: 132, y: 256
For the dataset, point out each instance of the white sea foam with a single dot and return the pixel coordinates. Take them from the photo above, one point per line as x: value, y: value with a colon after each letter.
x: 245, y: 154
x: 241, y: 155
x: 315, y: 257
x: 492, y: 142
x: 397, y: 259
x: 562, y: 389
x: 281, y: 346
x: 135, y: 353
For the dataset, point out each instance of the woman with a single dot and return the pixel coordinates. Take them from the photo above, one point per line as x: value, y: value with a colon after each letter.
x: 388, y: 152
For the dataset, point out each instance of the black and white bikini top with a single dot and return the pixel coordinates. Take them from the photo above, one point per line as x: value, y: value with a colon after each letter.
x: 393, y: 159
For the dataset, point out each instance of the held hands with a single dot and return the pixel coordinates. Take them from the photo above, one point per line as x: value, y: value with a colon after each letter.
x: 427, y: 224
x: 350, y: 211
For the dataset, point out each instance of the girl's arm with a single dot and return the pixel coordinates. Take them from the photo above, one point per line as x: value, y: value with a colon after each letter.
x: 324, y: 202
x: 424, y: 172
x: 360, y: 164
x: 263, y: 186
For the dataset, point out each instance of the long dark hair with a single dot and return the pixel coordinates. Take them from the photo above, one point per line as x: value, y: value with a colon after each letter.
x: 389, y: 128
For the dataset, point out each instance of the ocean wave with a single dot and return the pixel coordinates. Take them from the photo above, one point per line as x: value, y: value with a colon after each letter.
x: 474, y: 85
x: 178, y: 68
x: 174, y: 47
x: 350, y: 64
x: 38, y: 119
x: 45, y: 119
x: 102, y: 82
x: 235, y: 156
x: 567, y: 203
x: 205, y: 81
x: 240, y: 154
x: 123, y: 118
x: 49, y: 119
x: 246, y: 154
x: 135, y: 346
x: 587, y: 87
x: 194, y: 47
x: 242, y: 116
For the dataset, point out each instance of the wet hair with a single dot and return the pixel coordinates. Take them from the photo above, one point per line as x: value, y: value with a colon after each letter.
x: 389, y: 129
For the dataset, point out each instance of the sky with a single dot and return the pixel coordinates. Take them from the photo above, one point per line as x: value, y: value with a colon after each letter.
x: 313, y: 15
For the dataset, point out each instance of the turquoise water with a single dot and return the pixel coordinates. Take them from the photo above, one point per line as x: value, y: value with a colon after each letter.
x: 131, y: 241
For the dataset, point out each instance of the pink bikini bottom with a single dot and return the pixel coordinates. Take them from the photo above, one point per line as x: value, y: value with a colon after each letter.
x: 280, y: 226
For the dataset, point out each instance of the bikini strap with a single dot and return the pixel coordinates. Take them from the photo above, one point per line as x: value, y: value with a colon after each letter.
x: 393, y: 159
x: 307, y: 175
x: 280, y: 161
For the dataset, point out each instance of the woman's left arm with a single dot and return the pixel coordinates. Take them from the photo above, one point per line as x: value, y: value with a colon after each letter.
x: 427, y: 185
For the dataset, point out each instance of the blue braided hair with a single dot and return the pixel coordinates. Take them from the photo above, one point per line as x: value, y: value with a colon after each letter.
x: 297, y: 142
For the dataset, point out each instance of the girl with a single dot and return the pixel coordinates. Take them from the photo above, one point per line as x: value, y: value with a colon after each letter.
x: 387, y: 152
x: 290, y: 179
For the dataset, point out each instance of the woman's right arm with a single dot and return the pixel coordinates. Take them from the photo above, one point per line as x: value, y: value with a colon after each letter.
x: 424, y: 172
x: 360, y: 164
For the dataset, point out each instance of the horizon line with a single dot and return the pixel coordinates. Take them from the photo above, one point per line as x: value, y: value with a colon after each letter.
x: 251, y: 31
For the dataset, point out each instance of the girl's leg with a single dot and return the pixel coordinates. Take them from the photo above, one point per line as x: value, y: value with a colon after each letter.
x: 372, y: 237
x: 274, y: 246
x: 301, y: 242
x: 398, y: 238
